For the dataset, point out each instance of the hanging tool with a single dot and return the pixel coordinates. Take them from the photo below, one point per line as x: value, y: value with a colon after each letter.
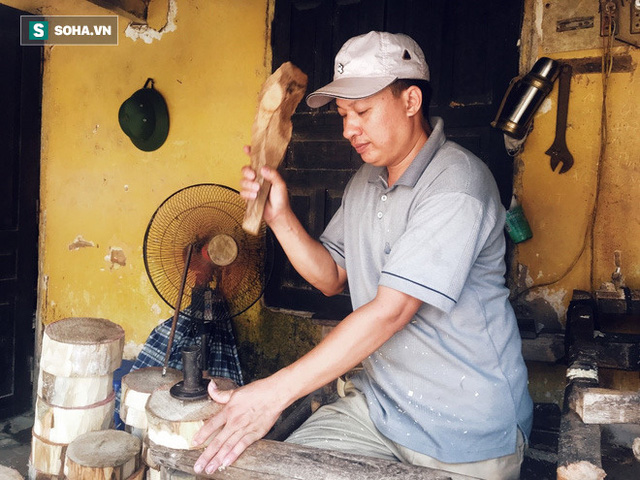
x: 558, y: 151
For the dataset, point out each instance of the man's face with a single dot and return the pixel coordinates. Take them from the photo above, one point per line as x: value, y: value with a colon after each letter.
x: 379, y: 127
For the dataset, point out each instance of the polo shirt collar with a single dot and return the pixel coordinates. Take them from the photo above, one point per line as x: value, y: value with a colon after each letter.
x: 419, y: 164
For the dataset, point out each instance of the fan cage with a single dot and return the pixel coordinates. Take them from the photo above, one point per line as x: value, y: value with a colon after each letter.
x: 193, y: 216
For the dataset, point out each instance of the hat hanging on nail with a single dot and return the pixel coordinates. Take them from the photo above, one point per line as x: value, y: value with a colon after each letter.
x: 144, y: 117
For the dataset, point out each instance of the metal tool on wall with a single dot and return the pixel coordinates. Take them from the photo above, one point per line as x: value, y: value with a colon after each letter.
x: 558, y: 151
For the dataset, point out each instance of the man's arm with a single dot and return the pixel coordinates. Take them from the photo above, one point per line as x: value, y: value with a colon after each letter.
x: 250, y: 411
x: 308, y: 256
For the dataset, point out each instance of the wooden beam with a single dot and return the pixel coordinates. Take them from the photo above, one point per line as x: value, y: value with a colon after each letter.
x: 579, y: 455
x: 135, y: 10
x: 604, y: 406
x: 271, y: 460
x: 546, y: 347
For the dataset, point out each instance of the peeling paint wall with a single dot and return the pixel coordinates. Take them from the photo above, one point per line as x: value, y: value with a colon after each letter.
x: 98, y: 192
x: 571, y: 249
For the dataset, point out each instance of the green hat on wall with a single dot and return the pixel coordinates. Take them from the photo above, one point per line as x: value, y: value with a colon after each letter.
x: 144, y: 117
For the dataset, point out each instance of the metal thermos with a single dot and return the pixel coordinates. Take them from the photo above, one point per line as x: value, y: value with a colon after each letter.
x: 524, y: 96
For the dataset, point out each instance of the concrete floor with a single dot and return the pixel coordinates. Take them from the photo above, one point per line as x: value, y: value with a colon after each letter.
x: 15, y: 442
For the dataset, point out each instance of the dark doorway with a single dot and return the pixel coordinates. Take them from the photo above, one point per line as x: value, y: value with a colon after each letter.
x: 20, y: 95
x: 471, y: 48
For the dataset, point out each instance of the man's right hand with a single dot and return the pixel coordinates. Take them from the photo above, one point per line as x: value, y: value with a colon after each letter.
x: 278, y: 200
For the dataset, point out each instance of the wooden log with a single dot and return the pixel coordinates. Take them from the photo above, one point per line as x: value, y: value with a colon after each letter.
x: 47, y: 457
x: 103, y: 455
x: 73, y: 391
x: 63, y: 425
x: 605, y: 406
x: 141, y: 474
x: 168, y: 474
x: 35, y: 474
x: 7, y: 473
x: 82, y: 347
x: 582, y: 470
x: 271, y: 460
x: 136, y: 387
x: 173, y: 423
x: 271, y: 131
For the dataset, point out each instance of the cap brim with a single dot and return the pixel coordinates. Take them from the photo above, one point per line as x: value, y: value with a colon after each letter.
x: 350, y: 88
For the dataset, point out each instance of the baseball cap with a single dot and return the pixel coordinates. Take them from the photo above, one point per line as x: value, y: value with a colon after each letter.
x: 368, y: 63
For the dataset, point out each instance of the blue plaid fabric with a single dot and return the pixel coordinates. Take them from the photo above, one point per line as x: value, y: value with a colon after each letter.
x: 223, y: 355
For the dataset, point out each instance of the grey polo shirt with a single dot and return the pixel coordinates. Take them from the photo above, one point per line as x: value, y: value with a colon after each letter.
x: 452, y: 384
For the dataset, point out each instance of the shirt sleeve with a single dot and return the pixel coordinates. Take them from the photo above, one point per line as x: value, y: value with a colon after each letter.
x: 333, y: 237
x: 433, y: 257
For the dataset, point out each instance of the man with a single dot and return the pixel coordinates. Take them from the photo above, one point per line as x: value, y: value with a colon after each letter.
x: 419, y: 237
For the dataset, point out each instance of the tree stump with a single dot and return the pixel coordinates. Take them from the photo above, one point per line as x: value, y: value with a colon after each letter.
x: 7, y: 473
x: 74, y: 391
x: 173, y: 423
x: 103, y: 455
x: 47, y: 457
x: 62, y: 425
x: 82, y: 347
x: 136, y: 389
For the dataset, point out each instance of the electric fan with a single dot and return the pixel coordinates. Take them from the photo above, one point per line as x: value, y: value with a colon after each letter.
x: 197, y: 255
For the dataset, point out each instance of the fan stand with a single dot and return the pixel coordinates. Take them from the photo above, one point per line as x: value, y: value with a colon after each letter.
x: 221, y: 251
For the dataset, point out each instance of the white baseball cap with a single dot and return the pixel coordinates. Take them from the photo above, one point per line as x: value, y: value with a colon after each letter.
x: 368, y: 63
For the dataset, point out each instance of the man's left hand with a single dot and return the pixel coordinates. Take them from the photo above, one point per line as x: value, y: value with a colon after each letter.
x: 248, y: 414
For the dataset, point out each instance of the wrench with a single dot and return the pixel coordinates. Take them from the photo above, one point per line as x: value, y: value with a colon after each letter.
x: 558, y: 151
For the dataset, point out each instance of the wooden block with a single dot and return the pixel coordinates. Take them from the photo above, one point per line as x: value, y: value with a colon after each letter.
x: 604, y: 406
x: 271, y: 131
x: 136, y: 387
x: 271, y: 460
x: 103, y: 455
x: 580, y: 471
x: 63, y: 425
x: 173, y: 423
x: 141, y: 474
x: 74, y: 391
x: 35, y: 474
x: 47, y: 457
x: 82, y: 347
x: 7, y: 473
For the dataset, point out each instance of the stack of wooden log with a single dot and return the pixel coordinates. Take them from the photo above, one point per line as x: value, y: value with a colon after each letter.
x: 75, y: 388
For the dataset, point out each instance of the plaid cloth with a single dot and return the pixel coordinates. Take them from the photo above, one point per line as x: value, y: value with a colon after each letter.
x: 223, y: 358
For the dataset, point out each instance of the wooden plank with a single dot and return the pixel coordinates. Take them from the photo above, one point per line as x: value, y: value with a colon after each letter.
x: 605, y: 406
x: 135, y: 10
x: 270, y: 460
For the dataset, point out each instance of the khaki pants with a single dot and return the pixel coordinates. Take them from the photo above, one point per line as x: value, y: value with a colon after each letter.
x: 345, y: 426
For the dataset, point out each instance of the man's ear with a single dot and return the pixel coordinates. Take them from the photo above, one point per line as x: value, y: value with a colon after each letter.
x: 413, y: 96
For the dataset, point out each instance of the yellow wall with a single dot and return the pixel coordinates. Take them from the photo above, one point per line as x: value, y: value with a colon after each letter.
x: 559, y: 206
x: 96, y: 185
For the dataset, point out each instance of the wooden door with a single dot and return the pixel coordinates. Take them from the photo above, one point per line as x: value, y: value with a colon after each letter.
x: 471, y: 49
x: 20, y: 96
